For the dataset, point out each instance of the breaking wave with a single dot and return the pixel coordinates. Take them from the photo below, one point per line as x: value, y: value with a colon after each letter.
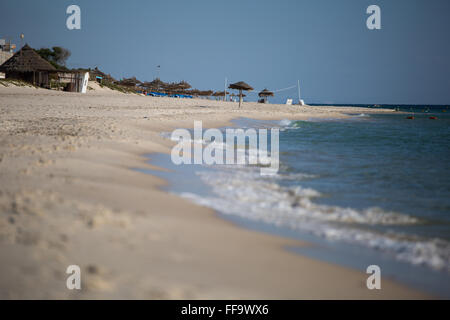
x: 243, y: 192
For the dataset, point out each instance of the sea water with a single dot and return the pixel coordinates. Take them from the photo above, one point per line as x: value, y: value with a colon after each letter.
x: 369, y: 189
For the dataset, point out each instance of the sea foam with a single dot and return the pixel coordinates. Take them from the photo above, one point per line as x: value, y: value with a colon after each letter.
x: 241, y: 191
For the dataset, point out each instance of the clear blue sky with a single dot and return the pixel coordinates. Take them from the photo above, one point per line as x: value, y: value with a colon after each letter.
x: 267, y: 43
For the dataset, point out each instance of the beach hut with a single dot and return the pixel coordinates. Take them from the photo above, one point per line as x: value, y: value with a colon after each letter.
x: 264, y: 94
x: 29, y: 66
x: 241, y: 85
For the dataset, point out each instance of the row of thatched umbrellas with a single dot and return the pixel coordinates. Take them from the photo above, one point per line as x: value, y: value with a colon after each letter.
x: 28, y: 60
x: 160, y: 86
x: 185, y: 88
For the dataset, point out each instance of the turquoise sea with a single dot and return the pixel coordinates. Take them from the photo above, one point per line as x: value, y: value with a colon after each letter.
x: 370, y: 189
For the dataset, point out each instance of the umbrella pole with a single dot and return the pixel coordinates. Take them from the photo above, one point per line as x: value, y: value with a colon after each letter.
x: 240, y: 97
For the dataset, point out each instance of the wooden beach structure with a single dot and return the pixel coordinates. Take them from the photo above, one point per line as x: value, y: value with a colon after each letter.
x: 72, y: 81
x: 29, y: 66
x: 241, y: 85
x: 6, y: 52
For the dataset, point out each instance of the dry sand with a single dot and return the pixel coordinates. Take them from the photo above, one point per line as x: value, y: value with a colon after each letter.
x: 68, y: 195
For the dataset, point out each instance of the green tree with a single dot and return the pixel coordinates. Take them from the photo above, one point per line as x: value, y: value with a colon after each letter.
x: 60, y: 55
x: 57, y: 56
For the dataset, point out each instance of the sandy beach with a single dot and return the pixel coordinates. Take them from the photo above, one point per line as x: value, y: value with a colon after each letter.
x: 69, y: 195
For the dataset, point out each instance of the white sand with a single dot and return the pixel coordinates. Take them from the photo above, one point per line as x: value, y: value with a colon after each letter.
x: 68, y: 196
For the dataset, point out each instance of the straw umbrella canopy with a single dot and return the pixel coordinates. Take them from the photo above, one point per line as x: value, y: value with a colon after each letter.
x: 183, y: 86
x: 205, y: 93
x: 241, y: 85
x: 170, y: 88
x: 154, y: 85
x: 220, y: 93
x: 97, y: 72
x: 130, y: 82
x: 177, y: 88
x: 193, y: 92
x: 265, y: 93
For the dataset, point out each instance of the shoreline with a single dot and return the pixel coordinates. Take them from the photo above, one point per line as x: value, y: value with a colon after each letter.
x: 310, y: 245
x: 131, y: 239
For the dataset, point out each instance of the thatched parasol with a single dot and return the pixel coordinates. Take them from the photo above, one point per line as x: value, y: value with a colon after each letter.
x: 154, y: 85
x: 205, y: 93
x: 26, y: 60
x: 241, y: 85
x: 220, y: 93
x: 96, y: 72
x: 177, y: 87
x: 183, y: 85
x: 193, y: 92
x: 264, y: 94
x: 130, y: 82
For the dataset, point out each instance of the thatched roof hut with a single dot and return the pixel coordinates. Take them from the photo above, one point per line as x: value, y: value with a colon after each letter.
x: 26, y: 60
x: 241, y: 85
x: 28, y: 65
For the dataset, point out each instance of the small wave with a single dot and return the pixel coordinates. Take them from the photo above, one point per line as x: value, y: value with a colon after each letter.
x: 260, y: 193
x: 285, y: 122
x: 244, y: 193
